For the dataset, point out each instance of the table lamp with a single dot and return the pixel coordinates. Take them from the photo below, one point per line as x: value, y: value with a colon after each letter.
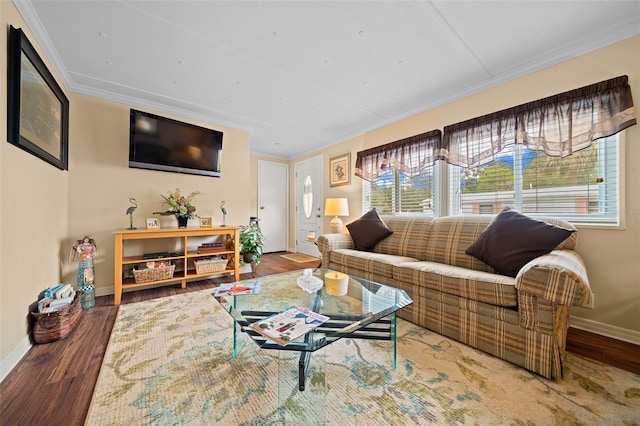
x: 336, y: 207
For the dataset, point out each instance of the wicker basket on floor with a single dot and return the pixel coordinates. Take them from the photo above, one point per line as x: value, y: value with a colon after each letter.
x: 153, y: 274
x: 56, y: 325
x: 209, y: 266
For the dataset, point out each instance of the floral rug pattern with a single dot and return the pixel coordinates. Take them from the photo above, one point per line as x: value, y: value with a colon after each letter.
x: 169, y: 362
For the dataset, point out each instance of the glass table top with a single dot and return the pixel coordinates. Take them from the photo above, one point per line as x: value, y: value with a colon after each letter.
x: 359, y: 312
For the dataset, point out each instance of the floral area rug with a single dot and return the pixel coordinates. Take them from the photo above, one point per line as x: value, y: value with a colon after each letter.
x: 169, y: 362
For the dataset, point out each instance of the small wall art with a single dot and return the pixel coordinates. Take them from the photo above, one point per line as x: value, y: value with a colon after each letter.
x: 340, y: 170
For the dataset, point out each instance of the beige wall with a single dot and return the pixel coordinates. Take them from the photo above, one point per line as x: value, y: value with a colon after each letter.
x: 43, y: 210
x: 611, y: 255
x: 33, y: 220
x: 101, y: 182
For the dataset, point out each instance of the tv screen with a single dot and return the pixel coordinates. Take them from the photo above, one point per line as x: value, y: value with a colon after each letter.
x: 159, y: 143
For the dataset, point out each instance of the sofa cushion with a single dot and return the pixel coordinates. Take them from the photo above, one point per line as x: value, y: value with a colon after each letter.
x: 486, y: 287
x: 368, y: 230
x: 512, y: 240
x: 355, y: 261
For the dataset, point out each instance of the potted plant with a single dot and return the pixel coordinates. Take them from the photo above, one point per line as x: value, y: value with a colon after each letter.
x: 251, y: 244
x: 180, y: 206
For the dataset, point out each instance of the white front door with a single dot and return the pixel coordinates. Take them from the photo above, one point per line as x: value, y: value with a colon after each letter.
x: 308, y: 208
x: 273, y: 204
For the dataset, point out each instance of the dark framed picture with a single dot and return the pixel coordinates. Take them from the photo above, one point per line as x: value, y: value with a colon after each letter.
x: 340, y: 170
x: 37, y: 109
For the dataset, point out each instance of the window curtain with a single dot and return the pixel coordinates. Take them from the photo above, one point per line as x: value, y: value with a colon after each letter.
x: 408, y: 156
x: 558, y: 125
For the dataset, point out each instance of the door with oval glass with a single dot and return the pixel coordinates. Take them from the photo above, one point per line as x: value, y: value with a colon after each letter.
x: 308, y: 205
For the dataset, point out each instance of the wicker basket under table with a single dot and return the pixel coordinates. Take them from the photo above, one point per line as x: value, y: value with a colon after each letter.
x: 56, y: 325
x: 207, y: 266
x: 153, y: 274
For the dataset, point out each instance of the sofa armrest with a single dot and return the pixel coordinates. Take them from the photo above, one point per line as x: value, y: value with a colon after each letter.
x: 330, y: 242
x: 559, y: 277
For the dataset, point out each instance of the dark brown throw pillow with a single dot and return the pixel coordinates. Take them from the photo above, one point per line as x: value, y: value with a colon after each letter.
x: 368, y: 231
x: 512, y: 240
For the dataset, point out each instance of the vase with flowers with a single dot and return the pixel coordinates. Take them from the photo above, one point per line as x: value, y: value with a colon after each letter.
x: 180, y: 206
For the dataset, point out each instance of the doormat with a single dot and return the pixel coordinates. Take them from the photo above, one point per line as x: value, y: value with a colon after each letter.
x: 300, y: 258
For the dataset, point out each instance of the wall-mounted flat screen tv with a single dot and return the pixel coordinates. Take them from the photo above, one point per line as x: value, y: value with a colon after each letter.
x: 159, y: 143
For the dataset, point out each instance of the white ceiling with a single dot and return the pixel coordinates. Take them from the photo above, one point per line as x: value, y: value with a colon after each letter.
x: 302, y: 75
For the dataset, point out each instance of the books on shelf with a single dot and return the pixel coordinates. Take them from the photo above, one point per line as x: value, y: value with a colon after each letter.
x: 236, y: 289
x: 212, y: 245
x: 211, y: 248
x: 286, y: 326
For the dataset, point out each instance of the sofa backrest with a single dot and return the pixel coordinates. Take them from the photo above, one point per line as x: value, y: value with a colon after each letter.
x: 445, y: 239
x: 451, y: 236
x: 410, y: 236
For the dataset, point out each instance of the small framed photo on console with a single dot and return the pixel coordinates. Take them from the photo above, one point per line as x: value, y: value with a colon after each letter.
x: 153, y: 223
x: 206, y: 222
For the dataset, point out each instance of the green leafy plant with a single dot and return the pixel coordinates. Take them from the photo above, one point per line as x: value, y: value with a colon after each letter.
x: 251, y: 243
x: 179, y: 205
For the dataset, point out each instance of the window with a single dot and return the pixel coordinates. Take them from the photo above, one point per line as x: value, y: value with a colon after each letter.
x: 399, y: 176
x: 582, y: 187
x: 556, y: 156
x: 395, y: 193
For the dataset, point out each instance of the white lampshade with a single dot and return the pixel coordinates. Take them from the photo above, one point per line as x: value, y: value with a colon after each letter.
x: 336, y: 207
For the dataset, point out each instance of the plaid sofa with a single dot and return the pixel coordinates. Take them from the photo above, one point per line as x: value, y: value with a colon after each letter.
x: 523, y: 320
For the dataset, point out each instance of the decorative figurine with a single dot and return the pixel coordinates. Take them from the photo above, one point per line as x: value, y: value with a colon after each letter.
x: 130, y: 211
x: 85, y: 250
x: 224, y: 214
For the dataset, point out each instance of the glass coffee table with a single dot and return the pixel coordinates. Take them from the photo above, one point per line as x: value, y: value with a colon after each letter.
x: 364, y: 310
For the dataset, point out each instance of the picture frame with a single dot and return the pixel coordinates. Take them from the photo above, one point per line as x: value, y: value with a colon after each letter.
x: 340, y: 170
x: 153, y: 223
x: 37, y: 108
x: 206, y: 222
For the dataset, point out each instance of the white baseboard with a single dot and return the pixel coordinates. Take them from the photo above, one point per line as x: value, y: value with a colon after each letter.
x: 606, y: 330
x: 14, y: 357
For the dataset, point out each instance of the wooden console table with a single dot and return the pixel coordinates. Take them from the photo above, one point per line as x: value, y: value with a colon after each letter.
x: 182, y: 248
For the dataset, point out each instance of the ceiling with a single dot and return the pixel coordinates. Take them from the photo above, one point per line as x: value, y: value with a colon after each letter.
x: 303, y: 75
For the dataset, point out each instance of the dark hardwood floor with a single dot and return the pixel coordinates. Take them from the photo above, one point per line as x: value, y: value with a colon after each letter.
x: 54, y: 382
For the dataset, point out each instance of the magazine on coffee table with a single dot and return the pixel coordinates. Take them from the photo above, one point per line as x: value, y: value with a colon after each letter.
x: 286, y: 326
x: 235, y: 289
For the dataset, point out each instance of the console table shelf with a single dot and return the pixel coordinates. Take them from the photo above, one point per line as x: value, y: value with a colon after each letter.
x: 185, y: 239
